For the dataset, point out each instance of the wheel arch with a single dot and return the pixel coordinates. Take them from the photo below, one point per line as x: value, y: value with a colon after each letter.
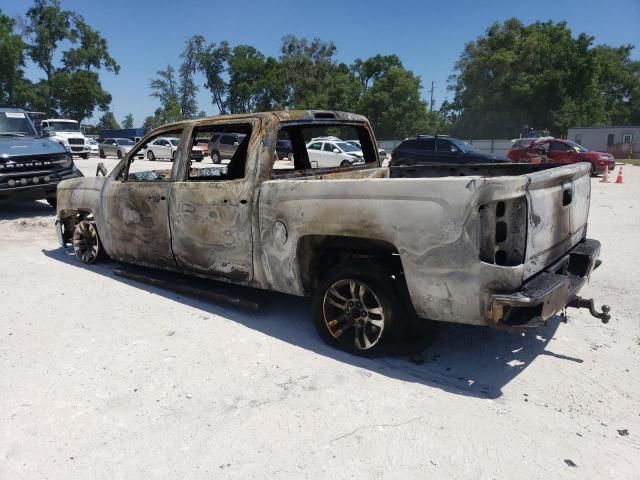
x: 316, y: 254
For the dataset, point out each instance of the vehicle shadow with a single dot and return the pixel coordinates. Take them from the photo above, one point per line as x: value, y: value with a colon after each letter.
x: 463, y: 360
x: 17, y: 210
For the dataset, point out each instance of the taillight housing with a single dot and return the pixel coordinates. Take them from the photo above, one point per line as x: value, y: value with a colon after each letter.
x: 503, y: 232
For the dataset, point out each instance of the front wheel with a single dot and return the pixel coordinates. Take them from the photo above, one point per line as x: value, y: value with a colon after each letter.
x: 357, y: 308
x: 345, y: 163
x: 215, y: 157
x: 151, y: 156
x: 86, y: 243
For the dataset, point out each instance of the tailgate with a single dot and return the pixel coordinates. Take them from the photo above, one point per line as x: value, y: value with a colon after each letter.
x: 558, y: 201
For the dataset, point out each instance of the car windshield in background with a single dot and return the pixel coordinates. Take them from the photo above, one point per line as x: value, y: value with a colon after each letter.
x: 174, y: 141
x: 124, y: 141
x: 64, y: 126
x: 462, y: 145
x: 576, y: 146
x: 13, y: 125
x: 347, y: 147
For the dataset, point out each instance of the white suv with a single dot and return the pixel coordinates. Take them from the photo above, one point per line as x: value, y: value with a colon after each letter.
x: 329, y: 152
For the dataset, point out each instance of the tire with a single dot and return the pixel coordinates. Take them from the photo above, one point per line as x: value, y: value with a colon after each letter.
x: 198, y: 160
x: 151, y: 156
x: 102, y: 155
x: 345, y: 163
x: 119, y: 155
x: 85, y: 156
x: 215, y: 157
x: 86, y: 243
x: 357, y: 308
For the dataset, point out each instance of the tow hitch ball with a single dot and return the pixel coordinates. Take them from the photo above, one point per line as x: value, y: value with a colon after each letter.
x: 579, y: 302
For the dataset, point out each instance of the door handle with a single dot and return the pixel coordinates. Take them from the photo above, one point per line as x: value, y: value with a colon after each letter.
x: 156, y: 198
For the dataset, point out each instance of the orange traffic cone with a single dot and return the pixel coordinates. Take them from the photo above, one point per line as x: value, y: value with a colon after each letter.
x: 605, y: 178
x: 619, y: 177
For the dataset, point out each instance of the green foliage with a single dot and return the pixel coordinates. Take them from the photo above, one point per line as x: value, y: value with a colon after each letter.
x: 538, y: 75
x: 128, y: 121
x: 78, y: 93
x: 165, y: 88
x: 108, y: 121
x: 92, y: 52
x: 11, y: 63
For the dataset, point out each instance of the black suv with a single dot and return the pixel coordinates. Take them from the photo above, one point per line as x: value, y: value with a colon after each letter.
x: 30, y: 166
x: 427, y: 149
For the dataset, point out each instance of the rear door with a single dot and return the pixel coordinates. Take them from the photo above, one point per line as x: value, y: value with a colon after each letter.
x: 558, y: 203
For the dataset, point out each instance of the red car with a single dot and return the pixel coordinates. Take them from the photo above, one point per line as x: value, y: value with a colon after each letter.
x: 556, y: 150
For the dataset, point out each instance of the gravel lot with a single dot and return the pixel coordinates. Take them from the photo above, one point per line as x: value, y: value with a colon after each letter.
x: 105, y: 378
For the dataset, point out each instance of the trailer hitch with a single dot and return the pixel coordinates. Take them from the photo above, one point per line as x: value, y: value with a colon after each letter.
x: 579, y: 302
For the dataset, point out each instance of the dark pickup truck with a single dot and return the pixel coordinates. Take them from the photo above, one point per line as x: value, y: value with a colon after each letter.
x: 30, y: 166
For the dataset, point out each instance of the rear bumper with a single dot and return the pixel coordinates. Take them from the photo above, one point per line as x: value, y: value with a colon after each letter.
x: 548, y: 292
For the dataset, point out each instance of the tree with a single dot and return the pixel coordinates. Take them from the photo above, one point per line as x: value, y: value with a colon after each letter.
x: 12, y: 50
x: 108, y: 121
x: 93, y: 51
x: 212, y: 63
x: 188, y: 89
x: 128, y: 121
x: 538, y: 75
x: 78, y: 94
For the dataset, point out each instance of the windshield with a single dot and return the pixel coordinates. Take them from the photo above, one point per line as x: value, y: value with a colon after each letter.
x: 15, y: 123
x: 576, y: 146
x: 347, y: 147
x: 64, y: 126
x: 462, y: 145
x: 124, y: 141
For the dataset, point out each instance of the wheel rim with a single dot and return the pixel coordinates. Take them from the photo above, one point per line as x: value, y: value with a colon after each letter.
x: 85, y: 242
x: 353, y: 314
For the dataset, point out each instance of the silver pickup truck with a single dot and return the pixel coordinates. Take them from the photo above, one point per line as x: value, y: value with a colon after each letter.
x: 379, y: 249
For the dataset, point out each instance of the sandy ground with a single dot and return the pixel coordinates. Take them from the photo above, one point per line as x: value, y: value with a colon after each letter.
x: 106, y: 378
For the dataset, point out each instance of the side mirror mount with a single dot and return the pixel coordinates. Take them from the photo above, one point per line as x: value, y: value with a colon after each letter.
x: 101, y: 169
x: 48, y: 132
x: 335, y: 150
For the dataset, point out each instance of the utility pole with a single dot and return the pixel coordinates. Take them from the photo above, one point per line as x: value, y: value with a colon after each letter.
x: 431, y: 100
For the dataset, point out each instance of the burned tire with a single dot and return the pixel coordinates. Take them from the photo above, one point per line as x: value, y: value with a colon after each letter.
x: 357, y: 308
x: 86, y: 243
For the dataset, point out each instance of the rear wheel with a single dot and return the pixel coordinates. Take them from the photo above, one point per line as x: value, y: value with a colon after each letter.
x: 151, y: 156
x: 345, y: 163
x: 357, y: 308
x: 86, y: 243
x: 215, y: 157
x: 119, y: 154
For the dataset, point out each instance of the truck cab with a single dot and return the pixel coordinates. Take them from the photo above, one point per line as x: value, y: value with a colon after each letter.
x: 31, y: 166
x: 69, y: 134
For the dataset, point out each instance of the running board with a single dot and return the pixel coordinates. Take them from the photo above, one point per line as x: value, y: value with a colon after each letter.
x: 199, y: 288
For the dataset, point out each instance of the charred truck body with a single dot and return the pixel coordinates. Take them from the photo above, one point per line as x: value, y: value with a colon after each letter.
x: 501, y: 245
x: 30, y: 166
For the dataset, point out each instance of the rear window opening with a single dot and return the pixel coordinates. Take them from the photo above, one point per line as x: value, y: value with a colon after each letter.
x: 327, y: 147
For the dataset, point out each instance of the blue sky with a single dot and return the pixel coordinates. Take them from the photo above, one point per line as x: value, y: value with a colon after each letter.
x: 428, y: 36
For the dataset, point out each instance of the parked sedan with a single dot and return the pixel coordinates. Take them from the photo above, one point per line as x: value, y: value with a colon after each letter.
x: 115, y: 146
x: 165, y: 148
x: 327, y: 152
x: 427, y: 149
x: 557, y: 150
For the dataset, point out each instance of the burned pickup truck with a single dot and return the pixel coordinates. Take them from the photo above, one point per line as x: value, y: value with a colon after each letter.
x: 497, y: 245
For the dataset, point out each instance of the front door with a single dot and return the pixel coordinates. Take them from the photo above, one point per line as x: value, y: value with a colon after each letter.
x: 210, y: 210
x: 136, y: 212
